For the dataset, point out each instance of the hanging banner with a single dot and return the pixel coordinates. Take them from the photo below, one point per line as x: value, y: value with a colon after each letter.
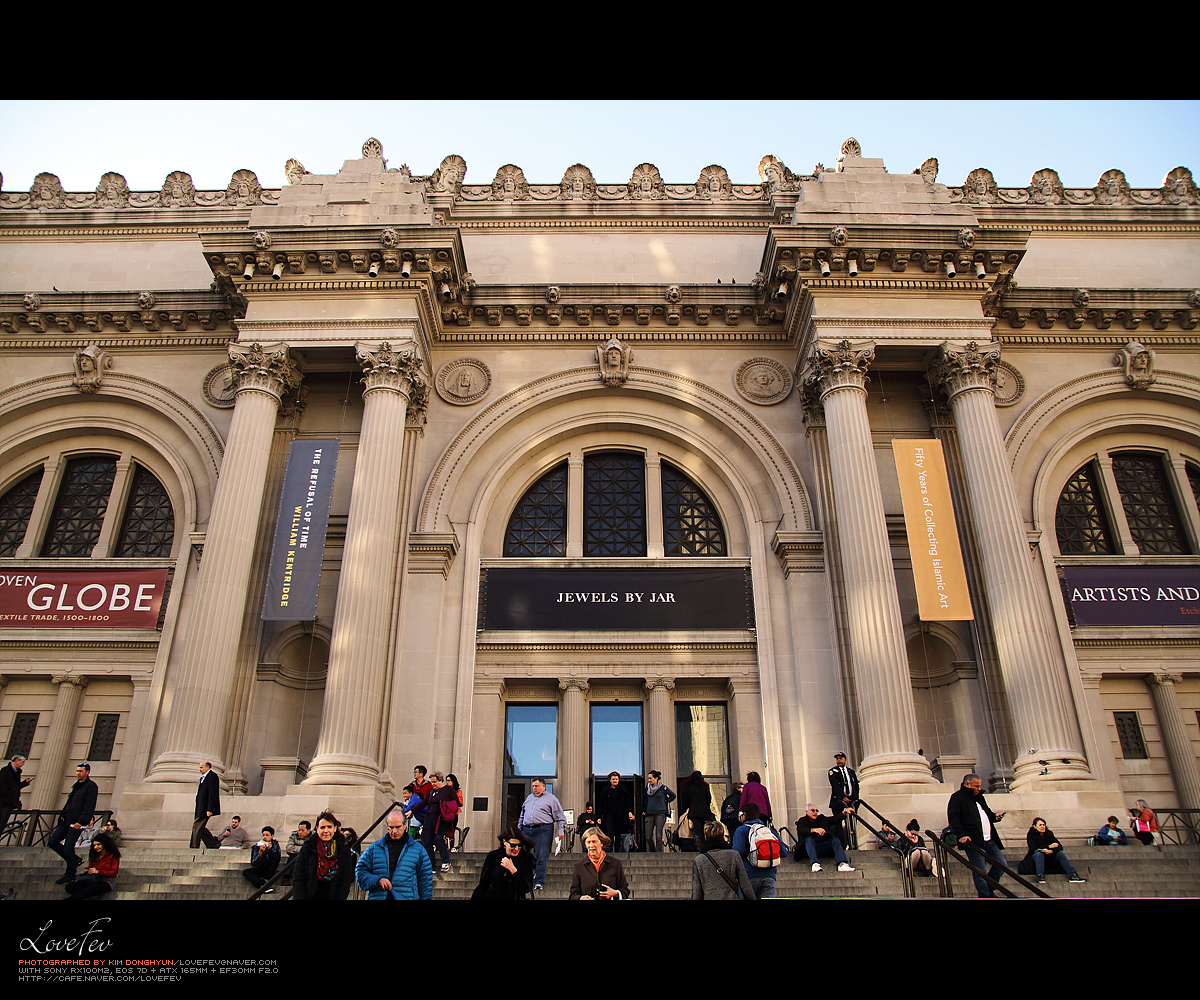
x: 82, y: 598
x: 932, y: 532
x: 294, y: 572
x: 1134, y: 595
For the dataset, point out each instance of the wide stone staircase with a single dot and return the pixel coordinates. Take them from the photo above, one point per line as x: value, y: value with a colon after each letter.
x: 182, y: 873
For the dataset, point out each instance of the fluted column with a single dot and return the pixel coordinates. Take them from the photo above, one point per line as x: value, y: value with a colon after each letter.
x: 1180, y: 755
x: 348, y: 750
x: 882, y: 683
x: 573, y: 763
x: 52, y: 768
x: 1031, y: 663
x: 661, y: 725
x: 200, y: 688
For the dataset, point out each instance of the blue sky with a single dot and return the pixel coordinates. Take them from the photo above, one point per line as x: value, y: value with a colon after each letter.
x: 145, y: 140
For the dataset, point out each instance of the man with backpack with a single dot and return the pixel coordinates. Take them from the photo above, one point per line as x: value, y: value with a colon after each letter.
x: 761, y: 851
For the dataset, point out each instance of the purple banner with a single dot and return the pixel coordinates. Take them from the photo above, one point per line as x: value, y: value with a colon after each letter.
x: 1134, y: 595
x: 295, y: 568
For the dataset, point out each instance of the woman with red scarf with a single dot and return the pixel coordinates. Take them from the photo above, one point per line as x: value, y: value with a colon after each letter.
x: 325, y: 866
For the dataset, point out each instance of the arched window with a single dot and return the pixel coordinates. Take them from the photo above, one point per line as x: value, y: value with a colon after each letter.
x: 615, y: 515
x: 1079, y: 520
x: 149, y: 526
x: 79, y: 509
x: 16, y: 507
x: 1149, y: 507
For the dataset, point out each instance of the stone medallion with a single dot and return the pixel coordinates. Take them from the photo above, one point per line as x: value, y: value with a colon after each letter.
x: 219, y: 387
x: 1010, y: 384
x: 463, y: 381
x: 763, y: 380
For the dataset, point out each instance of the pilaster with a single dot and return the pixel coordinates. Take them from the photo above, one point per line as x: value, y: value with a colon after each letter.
x: 660, y: 725
x: 573, y: 764
x: 52, y: 768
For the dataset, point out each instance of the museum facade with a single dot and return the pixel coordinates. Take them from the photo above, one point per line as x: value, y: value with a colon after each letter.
x: 520, y: 480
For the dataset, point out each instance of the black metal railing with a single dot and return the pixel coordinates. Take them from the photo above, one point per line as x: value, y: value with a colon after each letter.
x: 32, y: 827
x: 946, y: 853
x: 287, y: 868
x: 907, y: 877
x: 1179, y: 826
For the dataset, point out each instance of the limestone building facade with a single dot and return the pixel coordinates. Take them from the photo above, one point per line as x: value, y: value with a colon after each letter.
x: 615, y: 486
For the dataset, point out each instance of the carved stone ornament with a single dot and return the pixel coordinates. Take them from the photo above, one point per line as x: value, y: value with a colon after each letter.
x: 970, y: 368
x: 1137, y: 364
x: 713, y: 184
x: 966, y: 238
x: 262, y: 239
x: 1113, y: 189
x: 449, y: 174
x: 384, y: 368
x: 851, y: 147
x: 838, y: 236
x: 1081, y: 297
x: 928, y: 170
x: 112, y: 191
x: 372, y: 149
x: 553, y: 294
x: 390, y: 238
x: 1193, y: 299
x: 764, y: 381
x: 614, y: 360
x: 775, y: 175
x: 294, y: 170
x: 1045, y: 188
x: 32, y: 301
x: 674, y: 293
x: 646, y: 183
x: 845, y: 366
x: 220, y: 387
x: 46, y: 192
x: 178, y: 191
x: 90, y: 365
x: 1178, y: 188
x: 145, y: 300
x: 265, y: 369
x: 243, y: 189
x: 1010, y: 384
x: 577, y: 184
x: 509, y: 184
x: 463, y: 381
x: 980, y: 187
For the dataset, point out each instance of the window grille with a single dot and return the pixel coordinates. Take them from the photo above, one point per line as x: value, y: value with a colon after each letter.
x: 20, y: 737
x: 149, y: 526
x: 1079, y: 519
x: 80, y: 506
x: 1149, y: 507
x: 1129, y: 732
x: 16, y: 507
x: 691, y: 525
x: 538, y: 525
x: 614, y: 504
x: 104, y: 737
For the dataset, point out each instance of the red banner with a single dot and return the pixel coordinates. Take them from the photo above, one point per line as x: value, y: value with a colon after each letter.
x: 81, y: 598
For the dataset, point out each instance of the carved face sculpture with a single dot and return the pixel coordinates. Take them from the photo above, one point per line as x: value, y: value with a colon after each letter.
x: 613, y: 355
x: 645, y: 183
x: 464, y: 383
x: 980, y: 186
x: 1140, y: 360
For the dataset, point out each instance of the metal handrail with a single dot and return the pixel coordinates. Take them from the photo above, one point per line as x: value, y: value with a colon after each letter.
x: 1170, y: 821
x: 945, y: 852
x: 35, y: 826
x: 270, y: 884
x: 907, y: 879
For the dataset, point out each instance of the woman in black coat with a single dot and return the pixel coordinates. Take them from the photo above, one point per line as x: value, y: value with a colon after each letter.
x: 1044, y: 845
x: 699, y: 810
x: 325, y: 865
x: 508, y: 870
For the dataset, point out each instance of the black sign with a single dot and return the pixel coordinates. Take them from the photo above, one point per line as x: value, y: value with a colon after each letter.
x: 616, y: 599
x: 1134, y: 595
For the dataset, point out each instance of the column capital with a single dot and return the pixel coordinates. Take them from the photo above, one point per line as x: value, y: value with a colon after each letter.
x: 973, y: 367
x: 267, y: 369
x: 666, y: 683
x: 579, y: 684
x: 384, y: 368
x: 1164, y: 680
x: 841, y: 367
x: 79, y: 682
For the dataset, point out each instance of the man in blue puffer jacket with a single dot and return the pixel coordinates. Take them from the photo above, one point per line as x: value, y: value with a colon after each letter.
x: 395, y: 867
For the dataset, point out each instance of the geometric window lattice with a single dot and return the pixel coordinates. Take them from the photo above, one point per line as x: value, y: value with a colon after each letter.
x: 16, y: 507
x: 538, y: 525
x: 691, y: 525
x: 80, y: 507
x: 104, y: 736
x: 1194, y: 478
x: 1149, y: 507
x: 20, y: 738
x: 614, y: 504
x: 149, y: 526
x: 1079, y: 519
x: 1133, y: 747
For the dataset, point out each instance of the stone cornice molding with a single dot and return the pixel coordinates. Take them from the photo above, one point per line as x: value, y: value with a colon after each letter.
x: 67, y: 313
x: 1070, y: 309
x: 843, y: 366
x: 583, y: 646
x: 958, y: 371
x: 267, y: 369
x: 36, y: 639
x: 799, y: 551
x: 432, y: 552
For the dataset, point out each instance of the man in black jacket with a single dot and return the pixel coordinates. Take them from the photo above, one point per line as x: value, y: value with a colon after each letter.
x: 11, y: 784
x: 81, y: 804
x: 974, y: 829
x: 208, y: 804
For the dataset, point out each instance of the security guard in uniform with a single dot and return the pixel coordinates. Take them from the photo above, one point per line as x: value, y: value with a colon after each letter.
x: 844, y: 795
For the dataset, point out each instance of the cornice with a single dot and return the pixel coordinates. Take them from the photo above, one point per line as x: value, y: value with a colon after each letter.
x: 219, y: 341
x: 982, y: 323
x: 613, y: 647
x: 68, y: 313
x: 1071, y: 309
x: 1092, y: 228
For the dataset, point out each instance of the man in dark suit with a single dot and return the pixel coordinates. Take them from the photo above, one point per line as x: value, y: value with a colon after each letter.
x: 208, y: 804
x: 843, y: 795
x: 974, y: 829
x: 81, y: 805
x: 11, y: 784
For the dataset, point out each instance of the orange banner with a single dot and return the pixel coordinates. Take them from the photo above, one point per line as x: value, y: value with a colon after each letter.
x: 932, y: 533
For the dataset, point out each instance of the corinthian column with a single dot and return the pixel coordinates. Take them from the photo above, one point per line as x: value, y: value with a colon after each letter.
x: 1180, y: 755
x: 1031, y: 662
x: 52, y: 768
x: 660, y: 727
x: 883, y: 687
x: 574, y: 765
x: 348, y: 750
x: 200, y: 689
